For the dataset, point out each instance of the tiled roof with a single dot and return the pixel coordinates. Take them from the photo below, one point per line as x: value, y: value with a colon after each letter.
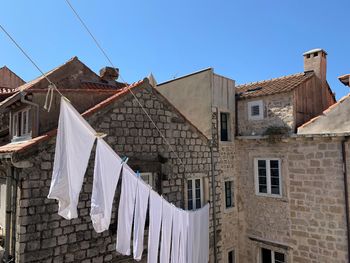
x: 272, y: 86
x: 21, y: 146
x: 95, y: 85
x: 5, y: 90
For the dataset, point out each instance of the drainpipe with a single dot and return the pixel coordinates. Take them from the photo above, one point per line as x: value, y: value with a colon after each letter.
x: 214, y: 199
x: 346, y: 190
x: 14, y: 212
x: 23, y: 100
x: 8, y: 213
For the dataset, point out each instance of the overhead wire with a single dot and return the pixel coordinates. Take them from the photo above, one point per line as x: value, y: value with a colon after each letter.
x: 133, y: 94
x: 52, y: 86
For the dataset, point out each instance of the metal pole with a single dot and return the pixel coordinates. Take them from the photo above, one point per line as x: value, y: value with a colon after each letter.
x: 214, y: 199
x: 346, y: 193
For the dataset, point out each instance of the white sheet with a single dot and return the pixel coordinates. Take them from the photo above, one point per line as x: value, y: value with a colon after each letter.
x: 155, y: 213
x: 141, y: 207
x: 183, y: 248
x: 175, y: 239
x: 167, y: 220
x: 106, y: 175
x: 126, y: 210
x: 74, y: 142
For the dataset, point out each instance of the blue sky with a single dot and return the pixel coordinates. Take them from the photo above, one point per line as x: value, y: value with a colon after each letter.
x: 241, y: 39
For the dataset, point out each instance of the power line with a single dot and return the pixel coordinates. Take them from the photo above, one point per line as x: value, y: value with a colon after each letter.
x: 29, y: 58
x: 133, y: 94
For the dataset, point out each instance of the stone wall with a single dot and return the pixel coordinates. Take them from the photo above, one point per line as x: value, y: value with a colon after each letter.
x: 308, y: 222
x: 277, y: 111
x: 46, y: 237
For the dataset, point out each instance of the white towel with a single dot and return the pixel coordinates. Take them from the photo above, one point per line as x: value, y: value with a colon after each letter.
x: 203, y: 235
x: 126, y: 210
x: 74, y: 142
x: 198, y: 235
x: 175, y: 240
x: 141, y: 206
x: 155, y: 219
x: 106, y: 175
x: 183, y: 249
x: 167, y: 219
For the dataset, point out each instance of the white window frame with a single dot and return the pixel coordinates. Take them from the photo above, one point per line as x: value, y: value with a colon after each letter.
x: 261, y: 110
x: 272, y: 255
x: 25, y: 131
x: 193, y: 180
x: 268, y: 177
x: 149, y: 180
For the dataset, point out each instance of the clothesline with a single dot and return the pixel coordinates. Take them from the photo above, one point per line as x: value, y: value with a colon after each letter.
x: 184, y: 234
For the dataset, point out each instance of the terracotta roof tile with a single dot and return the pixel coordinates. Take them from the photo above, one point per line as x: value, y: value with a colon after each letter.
x: 272, y: 86
x: 21, y: 146
x: 95, y: 85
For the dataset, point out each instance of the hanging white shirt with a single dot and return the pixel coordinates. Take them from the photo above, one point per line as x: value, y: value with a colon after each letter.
x: 175, y: 240
x: 126, y: 210
x: 155, y: 219
x: 74, y: 142
x: 167, y: 219
x: 106, y: 175
x: 141, y: 206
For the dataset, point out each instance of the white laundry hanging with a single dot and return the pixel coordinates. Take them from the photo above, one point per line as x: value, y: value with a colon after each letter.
x: 198, y: 235
x: 202, y: 237
x: 155, y: 219
x: 74, y: 142
x: 175, y: 239
x: 183, y: 248
x: 167, y: 220
x: 126, y: 210
x: 106, y: 175
x: 141, y: 206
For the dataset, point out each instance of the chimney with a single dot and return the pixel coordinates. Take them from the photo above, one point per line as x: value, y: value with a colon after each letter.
x: 316, y: 60
x: 109, y: 74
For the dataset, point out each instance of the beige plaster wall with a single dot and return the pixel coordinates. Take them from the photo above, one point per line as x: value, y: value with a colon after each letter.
x: 191, y: 95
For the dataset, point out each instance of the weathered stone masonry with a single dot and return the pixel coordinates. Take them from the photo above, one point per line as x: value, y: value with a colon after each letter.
x: 46, y: 237
x: 309, y: 218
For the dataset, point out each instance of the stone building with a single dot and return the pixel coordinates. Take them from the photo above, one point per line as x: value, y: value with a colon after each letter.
x: 271, y: 153
x: 289, y: 191
x: 34, y: 231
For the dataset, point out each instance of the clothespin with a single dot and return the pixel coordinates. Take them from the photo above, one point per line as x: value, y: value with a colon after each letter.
x: 49, y: 96
x: 125, y: 159
x: 138, y: 173
x: 100, y: 135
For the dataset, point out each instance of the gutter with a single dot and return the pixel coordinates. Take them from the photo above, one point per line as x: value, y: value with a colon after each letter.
x: 214, y: 200
x: 346, y: 192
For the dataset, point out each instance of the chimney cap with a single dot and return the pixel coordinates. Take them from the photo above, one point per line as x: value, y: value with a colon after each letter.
x: 314, y: 51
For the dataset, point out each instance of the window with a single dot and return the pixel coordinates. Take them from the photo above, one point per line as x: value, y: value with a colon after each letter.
x: 269, y: 256
x: 21, y: 124
x: 194, y: 193
x: 268, y: 176
x: 148, y: 178
x: 224, y: 126
x: 229, y: 197
x: 255, y: 110
x: 231, y: 257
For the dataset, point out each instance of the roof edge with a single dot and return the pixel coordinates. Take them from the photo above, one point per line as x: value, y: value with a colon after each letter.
x: 185, y: 76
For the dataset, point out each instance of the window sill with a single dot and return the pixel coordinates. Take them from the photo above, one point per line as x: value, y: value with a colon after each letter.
x: 228, y: 210
x: 272, y: 197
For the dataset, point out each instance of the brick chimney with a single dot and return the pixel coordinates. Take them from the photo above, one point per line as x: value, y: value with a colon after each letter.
x: 316, y: 60
x: 109, y: 74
